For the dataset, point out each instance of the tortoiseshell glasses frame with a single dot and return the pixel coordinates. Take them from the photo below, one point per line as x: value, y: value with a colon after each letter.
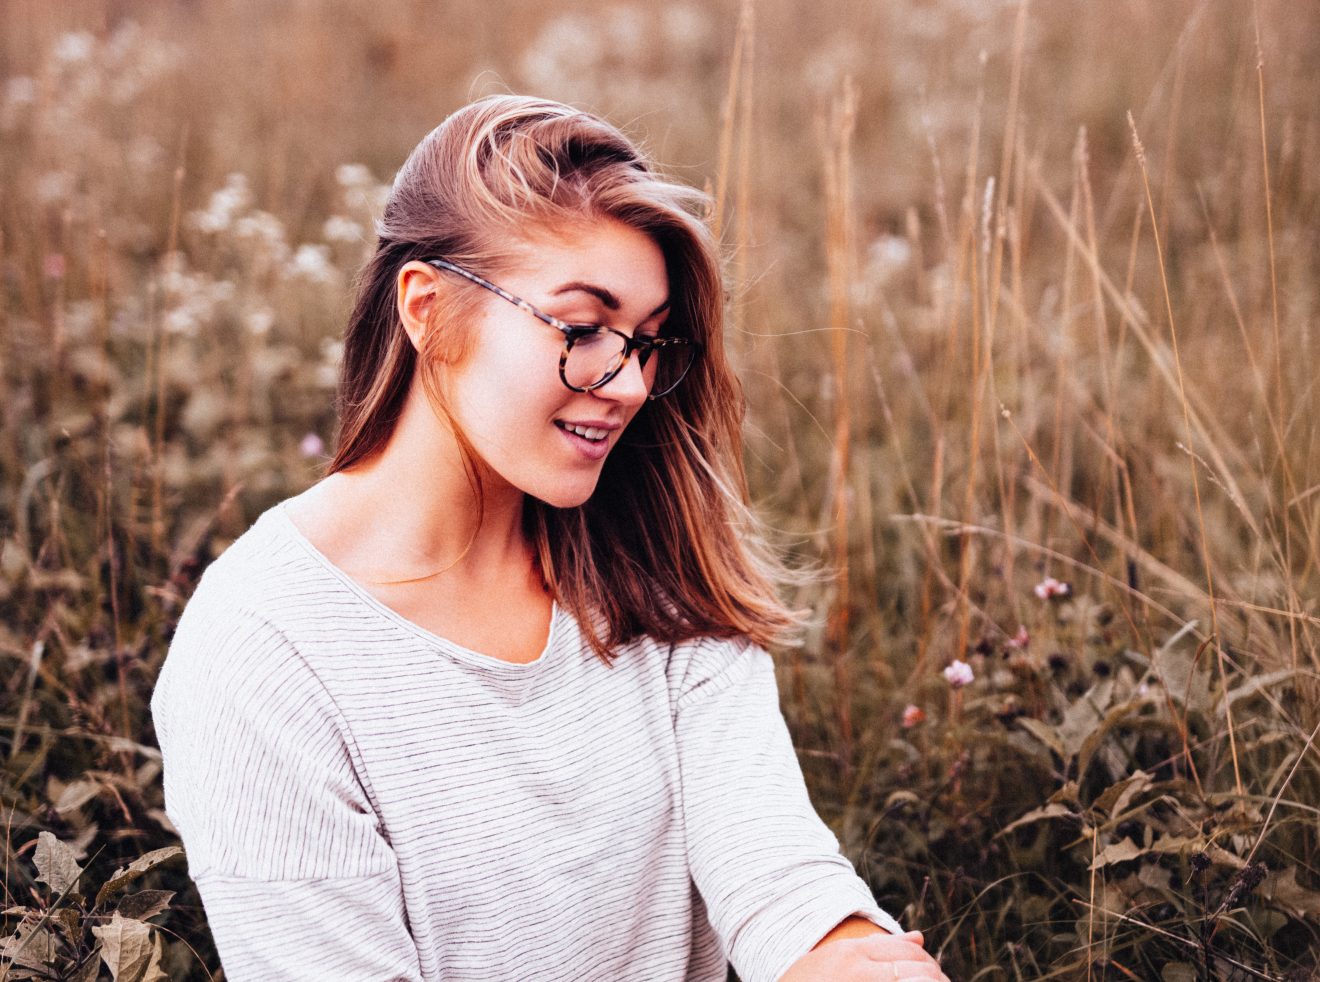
x: 602, y: 351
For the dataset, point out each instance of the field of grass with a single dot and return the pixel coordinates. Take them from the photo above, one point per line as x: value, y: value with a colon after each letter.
x: 1026, y: 300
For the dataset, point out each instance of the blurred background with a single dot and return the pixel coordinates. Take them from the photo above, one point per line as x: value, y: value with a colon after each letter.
x: 1024, y: 300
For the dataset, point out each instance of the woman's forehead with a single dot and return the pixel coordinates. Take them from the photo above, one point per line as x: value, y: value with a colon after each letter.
x: 617, y: 265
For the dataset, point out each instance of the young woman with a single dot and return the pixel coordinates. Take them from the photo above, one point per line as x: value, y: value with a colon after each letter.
x: 491, y: 700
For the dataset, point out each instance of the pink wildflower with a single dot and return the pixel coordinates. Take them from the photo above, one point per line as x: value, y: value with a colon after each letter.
x: 1019, y: 640
x: 311, y: 446
x: 1049, y: 588
x: 958, y: 674
x: 913, y: 716
x: 54, y: 265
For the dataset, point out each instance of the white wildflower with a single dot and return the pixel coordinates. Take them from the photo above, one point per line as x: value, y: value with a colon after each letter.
x: 265, y: 233
x: 685, y: 24
x: 312, y: 263
x: 354, y: 176
x: 73, y: 47
x: 332, y: 355
x: 20, y: 91
x: 337, y: 228
x: 54, y: 186
x: 224, y: 205
x: 625, y: 30
x: 565, y: 52
x: 259, y: 321
x: 180, y: 320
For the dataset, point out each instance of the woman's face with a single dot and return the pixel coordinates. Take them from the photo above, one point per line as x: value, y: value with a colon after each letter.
x: 533, y: 433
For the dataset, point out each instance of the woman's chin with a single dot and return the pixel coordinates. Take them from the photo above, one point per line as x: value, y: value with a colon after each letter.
x: 564, y: 497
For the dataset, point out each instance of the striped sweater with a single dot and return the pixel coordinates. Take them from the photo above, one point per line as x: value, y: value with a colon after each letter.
x: 361, y: 799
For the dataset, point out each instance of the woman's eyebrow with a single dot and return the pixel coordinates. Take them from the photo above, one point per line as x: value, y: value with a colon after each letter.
x: 610, y: 301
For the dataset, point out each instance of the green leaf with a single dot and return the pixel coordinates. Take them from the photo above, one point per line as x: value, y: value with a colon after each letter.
x: 56, y: 866
x: 135, y: 869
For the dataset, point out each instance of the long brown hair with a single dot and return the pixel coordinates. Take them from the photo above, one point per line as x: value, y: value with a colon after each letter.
x: 666, y: 546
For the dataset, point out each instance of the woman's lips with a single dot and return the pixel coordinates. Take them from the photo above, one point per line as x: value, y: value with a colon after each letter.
x: 588, y: 448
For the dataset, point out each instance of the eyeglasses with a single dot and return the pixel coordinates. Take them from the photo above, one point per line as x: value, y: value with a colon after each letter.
x: 594, y: 354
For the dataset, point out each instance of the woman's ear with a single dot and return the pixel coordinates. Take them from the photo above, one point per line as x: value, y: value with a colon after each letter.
x: 417, y: 289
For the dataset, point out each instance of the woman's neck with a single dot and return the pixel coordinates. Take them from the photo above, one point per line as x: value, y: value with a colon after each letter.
x: 410, y: 512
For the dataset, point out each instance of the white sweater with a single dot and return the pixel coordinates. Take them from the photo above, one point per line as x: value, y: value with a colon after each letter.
x: 361, y: 799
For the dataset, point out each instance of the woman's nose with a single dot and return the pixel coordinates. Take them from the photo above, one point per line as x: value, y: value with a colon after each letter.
x: 630, y: 386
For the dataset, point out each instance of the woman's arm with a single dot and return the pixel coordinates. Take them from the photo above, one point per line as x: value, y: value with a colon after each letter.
x: 866, y: 954
x: 768, y: 869
x: 296, y: 877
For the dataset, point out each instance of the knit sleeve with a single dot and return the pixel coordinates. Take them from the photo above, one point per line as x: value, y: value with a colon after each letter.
x: 768, y: 869
x: 297, y: 877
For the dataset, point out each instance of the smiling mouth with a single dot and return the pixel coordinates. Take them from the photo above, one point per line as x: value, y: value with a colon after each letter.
x: 592, y: 433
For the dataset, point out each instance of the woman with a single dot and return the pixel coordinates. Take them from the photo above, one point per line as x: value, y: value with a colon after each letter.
x: 490, y: 701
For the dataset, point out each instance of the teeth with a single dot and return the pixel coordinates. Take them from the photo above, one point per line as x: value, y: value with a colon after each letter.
x: 587, y: 432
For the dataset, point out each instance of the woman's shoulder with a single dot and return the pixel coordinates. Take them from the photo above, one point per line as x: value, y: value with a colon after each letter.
x: 703, y: 666
x: 264, y: 569
x: 250, y: 590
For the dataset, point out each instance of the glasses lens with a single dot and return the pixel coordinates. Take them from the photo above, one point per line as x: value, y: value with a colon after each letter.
x: 668, y: 365
x: 592, y: 357
x: 595, y: 357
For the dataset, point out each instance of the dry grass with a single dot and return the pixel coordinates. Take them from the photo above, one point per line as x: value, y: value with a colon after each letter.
x: 993, y: 330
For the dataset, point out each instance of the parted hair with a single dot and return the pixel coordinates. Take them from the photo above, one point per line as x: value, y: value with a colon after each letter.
x: 666, y: 546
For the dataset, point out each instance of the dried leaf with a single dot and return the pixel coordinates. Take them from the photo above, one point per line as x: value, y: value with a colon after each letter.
x: 1045, y: 733
x: 1185, y: 843
x: 1083, y: 716
x: 1178, y: 972
x: 1155, y: 877
x: 89, y: 969
x: 1094, y: 741
x: 1116, y: 797
x: 135, y: 869
x: 1117, y: 852
x: 55, y: 863
x: 1283, y: 890
x: 29, y: 946
x: 68, y: 919
x: 1038, y: 815
x: 1252, y: 686
x: 902, y: 797
x: 1187, y: 683
x: 130, y: 950
x: 145, y: 903
x: 76, y: 794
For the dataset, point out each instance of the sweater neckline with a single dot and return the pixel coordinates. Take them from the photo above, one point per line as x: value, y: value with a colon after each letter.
x: 480, y: 659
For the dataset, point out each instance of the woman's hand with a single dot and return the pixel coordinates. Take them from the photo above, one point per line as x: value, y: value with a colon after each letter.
x: 876, y: 958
